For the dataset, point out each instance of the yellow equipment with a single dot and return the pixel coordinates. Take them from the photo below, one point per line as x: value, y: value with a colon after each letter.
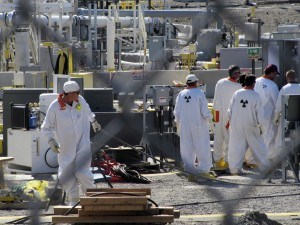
x: 188, y: 59
x: 7, y: 198
x: 127, y: 5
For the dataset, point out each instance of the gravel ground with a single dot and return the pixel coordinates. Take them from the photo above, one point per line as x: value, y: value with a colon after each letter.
x: 208, y: 197
x: 236, y: 194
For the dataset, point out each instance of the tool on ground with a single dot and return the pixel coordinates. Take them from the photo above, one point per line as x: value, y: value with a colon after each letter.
x: 117, y: 171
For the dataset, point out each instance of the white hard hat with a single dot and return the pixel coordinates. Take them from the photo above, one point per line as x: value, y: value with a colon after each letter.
x: 191, y: 78
x: 71, y: 86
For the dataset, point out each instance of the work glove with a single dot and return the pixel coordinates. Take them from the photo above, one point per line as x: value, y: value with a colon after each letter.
x: 276, y: 118
x: 54, y: 146
x: 96, y: 126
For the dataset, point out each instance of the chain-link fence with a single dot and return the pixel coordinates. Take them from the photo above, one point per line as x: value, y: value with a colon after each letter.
x: 223, y: 195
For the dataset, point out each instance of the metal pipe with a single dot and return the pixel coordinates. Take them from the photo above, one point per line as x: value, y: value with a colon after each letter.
x: 152, y: 13
x: 132, y: 63
x: 110, y: 45
x: 6, y: 20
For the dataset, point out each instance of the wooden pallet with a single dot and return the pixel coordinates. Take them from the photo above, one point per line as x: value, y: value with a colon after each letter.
x: 115, y: 206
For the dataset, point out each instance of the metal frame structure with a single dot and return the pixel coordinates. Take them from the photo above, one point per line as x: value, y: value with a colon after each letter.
x: 290, y: 125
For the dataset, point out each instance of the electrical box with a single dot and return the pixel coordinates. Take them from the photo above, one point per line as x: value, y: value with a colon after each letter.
x: 252, y: 31
x: 19, y: 79
x: 157, y: 48
x: 126, y: 100
x: 31, y: 151
x: 292, y: 108
x: 161, y: 96
x: 237, y: 56
x: 100, y: 99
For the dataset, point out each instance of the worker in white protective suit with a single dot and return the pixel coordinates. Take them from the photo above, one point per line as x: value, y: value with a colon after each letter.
x: 268, y: 91
x: 245, y: 116
x: 68, y: 121
x: 249, y: 161
x: 291, y: 88
x: 191, y: 112
x: 224, y: 90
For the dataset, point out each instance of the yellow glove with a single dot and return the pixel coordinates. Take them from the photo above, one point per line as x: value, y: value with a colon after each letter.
x: 54, y: 146
x: 216, y: 115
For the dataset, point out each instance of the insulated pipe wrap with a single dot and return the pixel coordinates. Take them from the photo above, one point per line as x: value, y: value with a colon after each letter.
x: 110, y: 44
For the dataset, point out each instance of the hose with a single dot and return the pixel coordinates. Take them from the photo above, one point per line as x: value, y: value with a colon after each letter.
x: 130, y: 175
x: 46, y: 161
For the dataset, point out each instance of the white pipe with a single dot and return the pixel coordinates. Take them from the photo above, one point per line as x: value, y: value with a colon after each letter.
x: 110, y: 44
x: 95, y: 26
x: 67, y: 21
x: 147, y: 20
x: 132, y: 53
x: 100, y: 22
x: 134, y: 28
x: 132, y: 63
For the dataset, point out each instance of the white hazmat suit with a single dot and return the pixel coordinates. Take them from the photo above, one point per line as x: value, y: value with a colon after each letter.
x: 268, y: 91
x: 245, y: 115
x: 225, y: 88
x: 191, y: 112
x: 71, y: 126
x: 288, y: 89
